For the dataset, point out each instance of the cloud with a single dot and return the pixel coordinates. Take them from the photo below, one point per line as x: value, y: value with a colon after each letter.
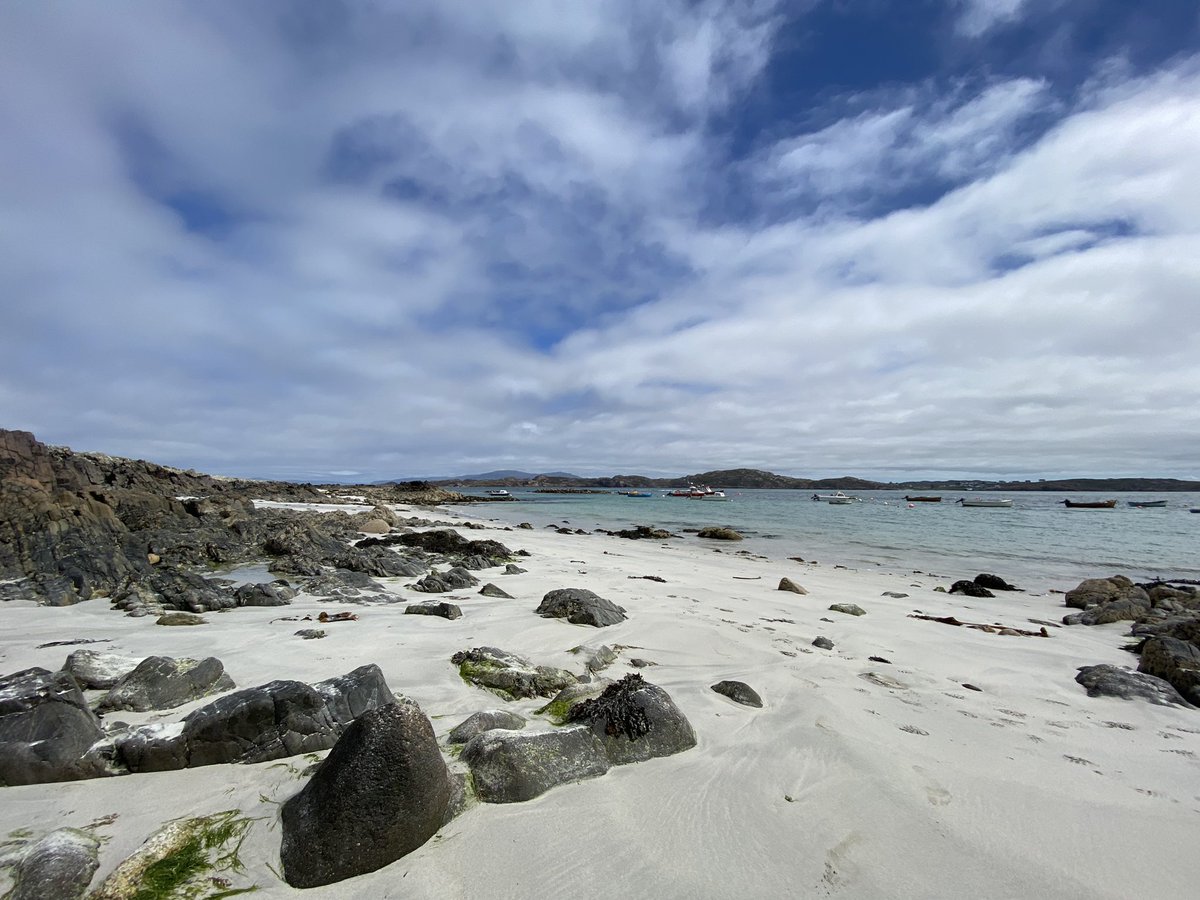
x: 977, y: 17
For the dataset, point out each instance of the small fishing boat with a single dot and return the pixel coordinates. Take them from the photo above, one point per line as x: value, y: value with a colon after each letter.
x: 715, y: 495
x: 923, y: 499
x: 499, y: 493
x: 638, y: 494
x: 838, y: 498
x: 988, y: 502
x: 1147, y: 504
x: 1090, y: 504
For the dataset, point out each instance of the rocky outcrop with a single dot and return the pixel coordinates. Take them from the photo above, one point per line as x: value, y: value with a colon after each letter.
x: 455, y: 579
x: 635, y: 721
x: 160, y: 682
x: 509, y: 675
x: 1176, y: 661
x: 97, y: 670
x: 381, y: 793
x: 580, y: 607
x: 1098, y: 591
x: 46, y: 729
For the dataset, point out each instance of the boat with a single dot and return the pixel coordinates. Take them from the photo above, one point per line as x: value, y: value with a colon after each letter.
x: 714, y: 495
x: 499, y: 493
x: 1090, y: 504
x: 1147, y: 504
x: 838, y: 498
x: 638, y: 494
x: 988, y: 502
x: 923, y: 499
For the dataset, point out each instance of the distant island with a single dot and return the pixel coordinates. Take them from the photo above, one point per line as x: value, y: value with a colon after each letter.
x: 756, y: 478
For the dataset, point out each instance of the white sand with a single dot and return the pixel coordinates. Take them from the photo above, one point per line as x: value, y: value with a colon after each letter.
x: 1026, y: 789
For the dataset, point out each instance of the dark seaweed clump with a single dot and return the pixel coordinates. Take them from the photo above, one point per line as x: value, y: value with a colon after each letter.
x: 616, y: 708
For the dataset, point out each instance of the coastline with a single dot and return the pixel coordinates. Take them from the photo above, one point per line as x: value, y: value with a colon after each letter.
x: 857, y: 779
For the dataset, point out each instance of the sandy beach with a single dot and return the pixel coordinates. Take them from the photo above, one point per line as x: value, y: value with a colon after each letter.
x: 858, y: 778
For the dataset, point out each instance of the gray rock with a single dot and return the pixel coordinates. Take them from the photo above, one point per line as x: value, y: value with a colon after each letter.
x: 275, y: 593
x: 181, y: 618
x: 1176, y: 661
x: 598, y: 659
x: 57, y: 867
x: 442, y: 610
x: 97, y: 670
x: 1127, y: 609
x: 514, y: 766
x: 786, y: 584
x: 850, y: 609
x: 455, y: 579
x: 159, y: 682
x: 485, y: 721
x: 970, y: 589
x: 639, y: 663
x: 1113, y: 681
x: 509, y: 675
x: 560, y: 706
x: 993, y: 582
x: 46, y: 729
x: 635, y: 721
x: 311, y: 634
x: 1094, y: 591
x: 381, y: 793
x: 895, y: 595
x: 717, y: 533
x: 349, y: 696
x: 580, y: 607
x: 823, y: 642
x: 739, y: 692
x: 490, y: 590
x: 514, y: 569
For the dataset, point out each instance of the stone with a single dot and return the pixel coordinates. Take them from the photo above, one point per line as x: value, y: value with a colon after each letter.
x: 993, y: 582
x: 643, y: 533
x: 443, y: 610
x: 159, y: 682
x: 374, y: 526
x: 480, y: 722
x: 786, y: 584
x: 1114, y: 681
x: 180, y: 618
x: 598, y: 659
x: 97, y: 670
x: 850, y: 609
x: 895, y: 595
x: 275, y: 593
x: 514, y: 569
x: 509, y: 675
x: 970, y: 589
x: 635, y: 721
x: 1176, y: 661
x: 514, y: 766
x: 381, y: 793
x: 823, y: 642
x: 57, y: 867
x: 1126, y: 609
x: 455, y: 579
x: 739, y: 692
x: 490, y: 590
x: 1094, y: 591
x: 46, y: 729
x: 311, y: 634
x: 580, y: 607
x: 564, y: 701
x: 718, y: 533
x: 349, y: 696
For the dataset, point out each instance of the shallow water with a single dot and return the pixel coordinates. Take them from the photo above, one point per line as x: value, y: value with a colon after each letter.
x: 1037, y: 539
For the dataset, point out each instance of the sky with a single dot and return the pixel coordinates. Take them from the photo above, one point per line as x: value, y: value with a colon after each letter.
x: 364, y: 240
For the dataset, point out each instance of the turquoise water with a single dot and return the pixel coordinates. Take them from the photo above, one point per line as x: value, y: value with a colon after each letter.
x: 1038, y: 540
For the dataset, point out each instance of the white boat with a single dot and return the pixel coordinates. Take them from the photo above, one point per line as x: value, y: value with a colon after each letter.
x: 500, y: 493
x: 990, y: 502
x: 714, y: 495
x: 836, y: 498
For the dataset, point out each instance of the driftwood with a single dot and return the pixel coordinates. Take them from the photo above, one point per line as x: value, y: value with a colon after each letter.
x: 979, y: 626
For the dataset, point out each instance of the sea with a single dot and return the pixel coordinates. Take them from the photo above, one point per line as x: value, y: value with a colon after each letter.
x: 1038, y: 540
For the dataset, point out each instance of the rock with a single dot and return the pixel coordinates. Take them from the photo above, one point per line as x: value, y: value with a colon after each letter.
x: 443, y: 610
x: 970, y: 589
x: 508, y: 675
x: 46, y: 729
x: 993, y: 582
x: 349, y: 696
x: 97, y: 670
x: 514, y: 569
x: 895, y: 595
x: 786, y: 584
x: 1094, y: 591
x: 381, y: 793
x: 1127, y: 609
x: 526, y: 526
x: 1113, y: 681
x: 635, y: 721
x: 59, y: 866
x: 514, y: 766
x: 490, y: 590
x: 276, y: 593
x: 181, y: 618
x: 562, y: 703
x: 639, y: 663
x: 159, y: 682
x: 739, y: 692
x: 311, y: 634
x: 344, y: 583
x: 643, y: 533
x: 718, y: 533
x: 455, y: 579
x: 1176, y: 661
x: 823, y: 642
x: 480, y: 722
x: 580, y: 607
x: 599, y: 658
x: 850, y: 609
x: 374, y: 526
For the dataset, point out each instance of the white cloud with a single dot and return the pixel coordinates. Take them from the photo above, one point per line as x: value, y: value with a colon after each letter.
x: 980, y: 16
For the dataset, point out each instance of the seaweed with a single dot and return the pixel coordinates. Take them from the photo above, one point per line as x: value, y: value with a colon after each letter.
x: 616, y: 708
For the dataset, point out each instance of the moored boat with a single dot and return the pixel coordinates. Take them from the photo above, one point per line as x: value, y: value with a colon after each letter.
x: 499, y: 493
x: 923, y: 499
x: 1089, y: 504
x: 837, y: 498
x: 714, y: 495
x: 638, y: 494
x: 1147, y: 504
x: 988, y: 502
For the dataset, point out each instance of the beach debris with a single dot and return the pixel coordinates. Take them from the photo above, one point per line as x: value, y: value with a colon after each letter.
x: 979, y: 626
x: 970, y: 589
x: 745, y: 577
x: 994, y: 582
x: 160, y: 682
x: 443, y: 610
x: 850, y: 609
x: 381, y: 793
x: 333, y: 617
x: 580, y: 606
x: 479, y: 722
x: 181, y: 618
x: 738, y: 692
x: 823, y: 642
x: 635, y: 721
x: 913, y: 729
x: 74, y: 642
x: 311, y: 634
x: 490, y: 590
x: 971, y: 687
x: 885, y: 681
x: 1114, y: 681
x: 879, y: 659
x: 508, y: 675
x: 719, y: 533
x: 657, y: 578
x: 786, y: 584
x: 515, y: 766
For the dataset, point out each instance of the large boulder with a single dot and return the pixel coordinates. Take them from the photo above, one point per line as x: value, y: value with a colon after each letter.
x: 1113, y: 681
x: 274, y: 593
x: 160, y: 682
x: 46, y: 729
x: 381, y: 793
x: 509, y: 675
x: 1095, y: 591
x: 718, y: 533
x: 1176, y: 661
x: 480, y: 722
x: 349, y: 696
x: 634, y: 721
x: 97, y: 670
x: 580, y: 607
x: 1126, y: 609
x: 58, y: 866
x: 514, y: 766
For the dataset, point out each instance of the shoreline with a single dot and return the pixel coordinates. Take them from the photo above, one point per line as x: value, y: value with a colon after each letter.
x: 858, y: 777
